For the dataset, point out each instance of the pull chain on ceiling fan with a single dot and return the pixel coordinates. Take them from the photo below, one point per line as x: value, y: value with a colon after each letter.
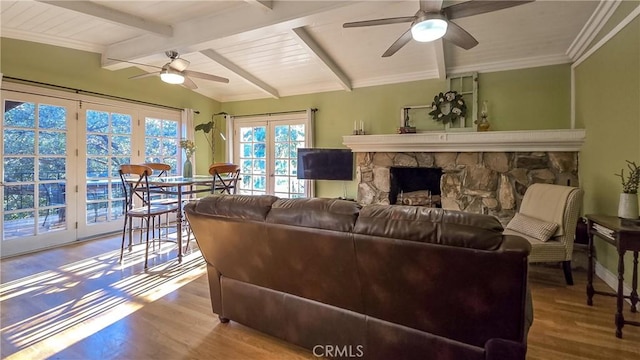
x: 433, y: 22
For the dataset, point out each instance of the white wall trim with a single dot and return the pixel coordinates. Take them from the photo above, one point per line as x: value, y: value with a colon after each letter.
x: 592, y: 27
x: 524, y: 63
x: 626, y: 21
x: 591, y: 51
x: 610, y: 279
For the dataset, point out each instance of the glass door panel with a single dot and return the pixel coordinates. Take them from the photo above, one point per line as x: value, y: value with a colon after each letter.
x: 162, y: 142
x: 267, y: 151
x: 253, y: 161
x: 287, y: 139
x: 35, y: 146
x: 109, y: 144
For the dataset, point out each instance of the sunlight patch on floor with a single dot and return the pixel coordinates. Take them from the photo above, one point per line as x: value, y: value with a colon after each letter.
x: 44, y: 334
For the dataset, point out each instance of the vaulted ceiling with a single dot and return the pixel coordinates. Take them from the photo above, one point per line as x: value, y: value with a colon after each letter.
x: 270, y: 49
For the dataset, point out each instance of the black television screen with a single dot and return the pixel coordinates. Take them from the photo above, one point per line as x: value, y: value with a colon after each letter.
x: 325, y: 164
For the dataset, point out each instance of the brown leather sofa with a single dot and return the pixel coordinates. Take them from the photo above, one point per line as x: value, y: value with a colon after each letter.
x: 377, y: 282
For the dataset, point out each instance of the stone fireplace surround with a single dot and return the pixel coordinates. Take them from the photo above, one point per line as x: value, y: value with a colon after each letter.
x: 482, y: 172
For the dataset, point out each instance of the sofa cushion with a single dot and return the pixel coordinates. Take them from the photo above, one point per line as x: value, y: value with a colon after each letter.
x: 241, y: 207
x: 536, y: 228
x: 319, y: 213
x: 431, y: 225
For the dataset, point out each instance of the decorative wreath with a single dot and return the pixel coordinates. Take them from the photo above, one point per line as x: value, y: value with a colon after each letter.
x: 448, y: 107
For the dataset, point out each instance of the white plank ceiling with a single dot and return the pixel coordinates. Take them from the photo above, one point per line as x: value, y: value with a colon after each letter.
x: 270, y: 49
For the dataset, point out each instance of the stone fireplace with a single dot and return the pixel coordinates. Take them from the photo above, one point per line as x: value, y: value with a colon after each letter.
x: 489, y: 175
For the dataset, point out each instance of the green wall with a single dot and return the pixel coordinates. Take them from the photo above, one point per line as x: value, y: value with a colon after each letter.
x: 537, y: 98
x: 82, y: 70
x: 608, y: 106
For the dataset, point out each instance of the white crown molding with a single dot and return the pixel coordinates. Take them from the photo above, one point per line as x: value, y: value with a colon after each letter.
x: 592, y: 27
x: 53, y: 40
x: 488, y: 141
x: 632, y: 15
x: 516, y: 64
x: 396, y: 78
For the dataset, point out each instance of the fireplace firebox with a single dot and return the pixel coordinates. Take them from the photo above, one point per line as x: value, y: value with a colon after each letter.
x: 415, y: 186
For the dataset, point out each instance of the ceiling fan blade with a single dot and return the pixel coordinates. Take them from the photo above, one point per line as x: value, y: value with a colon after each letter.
x: 375, y: 22
x: 189, y: 84
x: 398, y: 44
x: 144, y: 75
x: 459, y: 37
x: 200, y: 75
x: 469, y: 8
x: 135, y: 63
x: 431, y: 5
x: 179, y: 64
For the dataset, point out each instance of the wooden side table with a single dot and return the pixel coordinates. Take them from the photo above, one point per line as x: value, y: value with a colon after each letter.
x: 625, y: 236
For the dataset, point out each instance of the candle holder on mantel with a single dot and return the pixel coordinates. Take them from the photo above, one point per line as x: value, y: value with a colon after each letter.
x: 483, y: 123
x: 360, y: 130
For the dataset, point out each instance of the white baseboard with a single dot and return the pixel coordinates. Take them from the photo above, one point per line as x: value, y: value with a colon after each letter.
x: 611, y: 279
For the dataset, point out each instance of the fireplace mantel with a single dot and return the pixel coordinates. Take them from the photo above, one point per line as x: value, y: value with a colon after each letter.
x: 488, y: 141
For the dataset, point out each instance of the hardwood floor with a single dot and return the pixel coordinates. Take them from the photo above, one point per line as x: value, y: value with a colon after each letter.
x: 78, y: 302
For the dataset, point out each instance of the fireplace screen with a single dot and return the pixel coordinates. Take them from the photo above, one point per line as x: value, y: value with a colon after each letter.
x: 415, y: 186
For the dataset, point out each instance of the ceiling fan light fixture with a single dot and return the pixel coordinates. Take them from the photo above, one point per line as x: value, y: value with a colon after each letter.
x: 171, y: 77
x: 429, y: 27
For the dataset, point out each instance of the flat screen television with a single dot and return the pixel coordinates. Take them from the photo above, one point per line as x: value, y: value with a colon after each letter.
x: 325, y: 164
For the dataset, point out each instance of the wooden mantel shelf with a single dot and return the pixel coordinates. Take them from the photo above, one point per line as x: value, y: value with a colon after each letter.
x: 488, y: 141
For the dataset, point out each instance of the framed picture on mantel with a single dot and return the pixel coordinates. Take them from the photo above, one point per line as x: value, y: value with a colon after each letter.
x: 418, y: 116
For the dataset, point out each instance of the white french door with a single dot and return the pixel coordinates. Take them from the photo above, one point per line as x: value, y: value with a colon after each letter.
x: 266, y: 150
x: 60, y: 160
x: 109, y: 142
x: 38, y: 173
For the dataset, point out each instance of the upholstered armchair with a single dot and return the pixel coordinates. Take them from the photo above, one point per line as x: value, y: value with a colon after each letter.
x: 547, y: 218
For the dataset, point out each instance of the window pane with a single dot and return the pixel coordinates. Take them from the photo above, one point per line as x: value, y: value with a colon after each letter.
x: 281, y: 167
x: 51, y: 168
x: 153, y: 127
x: 97, y: 144
x: 121, y: 145
x: 19, y: 142
x: 52, y: 117
x: 97, y: 121
x: 97, y: 167
x: 19, y: 114
x: 121, y: 123
x: 18, y: 169
x: 18, y: 225
x: 18, y: 197
x: 52, y: 143
x: 170, y: 128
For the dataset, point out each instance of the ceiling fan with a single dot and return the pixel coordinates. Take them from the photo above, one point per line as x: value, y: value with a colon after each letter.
x: 433, y: 22
x: 175, y: 72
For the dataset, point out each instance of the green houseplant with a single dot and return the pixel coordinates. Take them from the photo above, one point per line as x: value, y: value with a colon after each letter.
x: 628, y: 205
x: 210, y: 130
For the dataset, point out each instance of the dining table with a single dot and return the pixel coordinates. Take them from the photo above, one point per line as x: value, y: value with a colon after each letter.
x: 180, y: 186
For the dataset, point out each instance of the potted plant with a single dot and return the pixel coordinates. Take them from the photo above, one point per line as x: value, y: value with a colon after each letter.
x: 210, y: 131
x: 628, y: 206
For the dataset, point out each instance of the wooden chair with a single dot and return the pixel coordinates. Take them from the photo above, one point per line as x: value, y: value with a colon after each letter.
x: 138, y: 204
x: 544, y: 205
x: 225, y: 177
